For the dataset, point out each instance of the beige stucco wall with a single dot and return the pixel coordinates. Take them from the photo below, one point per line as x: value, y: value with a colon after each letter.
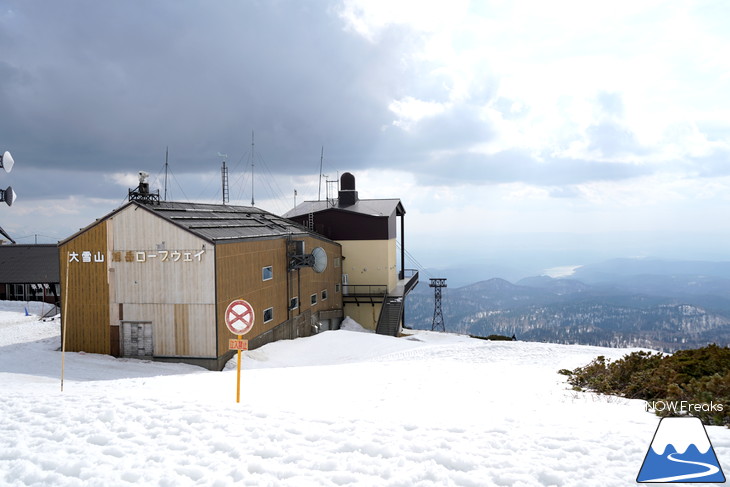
x: 370, y: 262
x: 365, y: 314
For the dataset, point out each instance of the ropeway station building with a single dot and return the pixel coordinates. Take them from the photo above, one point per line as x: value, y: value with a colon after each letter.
x: 153, y: 279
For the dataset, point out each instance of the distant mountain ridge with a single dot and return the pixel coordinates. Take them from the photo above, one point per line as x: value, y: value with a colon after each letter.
x: 615, y: 303
x: 613, y: 268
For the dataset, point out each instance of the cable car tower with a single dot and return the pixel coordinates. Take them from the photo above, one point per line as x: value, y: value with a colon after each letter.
x: 438, y: 316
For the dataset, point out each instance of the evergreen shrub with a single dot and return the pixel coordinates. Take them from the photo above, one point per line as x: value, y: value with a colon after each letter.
x: 699, y: 377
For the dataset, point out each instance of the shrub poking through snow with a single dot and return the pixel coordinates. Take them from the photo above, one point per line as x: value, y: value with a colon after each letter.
x: 695, y: 382
x: 493, y: 337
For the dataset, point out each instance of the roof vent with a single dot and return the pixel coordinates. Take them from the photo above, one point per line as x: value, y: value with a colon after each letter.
x: 347, y: 195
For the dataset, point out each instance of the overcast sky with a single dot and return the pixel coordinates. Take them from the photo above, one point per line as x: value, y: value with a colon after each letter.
x: 559, y: 132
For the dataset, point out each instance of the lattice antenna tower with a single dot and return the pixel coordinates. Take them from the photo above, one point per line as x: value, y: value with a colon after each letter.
x: 437, y: 283
x: 333, y: 188
x: 167, y: 150
x: 253, y: 163
x: 224, y: 178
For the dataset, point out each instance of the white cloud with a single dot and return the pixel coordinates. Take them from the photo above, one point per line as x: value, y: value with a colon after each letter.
x: 602, y: 116
x: 553, y: 59
x: 125, y: 180
x: 369, y: 17
x: 410, y: 110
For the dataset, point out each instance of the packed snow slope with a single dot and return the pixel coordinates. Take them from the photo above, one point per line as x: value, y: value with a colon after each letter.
x: 339, y: 408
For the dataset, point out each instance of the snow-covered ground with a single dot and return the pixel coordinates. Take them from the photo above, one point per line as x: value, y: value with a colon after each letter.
x: 339, y: 408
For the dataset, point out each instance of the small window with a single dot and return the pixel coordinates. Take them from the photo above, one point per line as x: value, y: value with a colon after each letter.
x: 268, y: 314
x: 337, y: 287
x: 313, y: 299
x: 337, y: 262
x: 324, y: 294
x: 294, y: 303
x: 267, y: 273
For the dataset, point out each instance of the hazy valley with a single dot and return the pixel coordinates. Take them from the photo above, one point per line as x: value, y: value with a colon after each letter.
x: 628, y: 302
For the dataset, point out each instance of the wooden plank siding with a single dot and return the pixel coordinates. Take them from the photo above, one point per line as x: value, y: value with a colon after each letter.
x: 182, y: 297
x: 177, y: 297
x: 86, y: 296
x: 239, y: 276
x: 179, y: 330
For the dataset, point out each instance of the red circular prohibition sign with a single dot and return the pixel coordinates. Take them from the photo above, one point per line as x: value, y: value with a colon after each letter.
x: 239, y: 317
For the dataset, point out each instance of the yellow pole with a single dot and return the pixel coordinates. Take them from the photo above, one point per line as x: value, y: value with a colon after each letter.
x: 64, y: 324
x: 238, y: 374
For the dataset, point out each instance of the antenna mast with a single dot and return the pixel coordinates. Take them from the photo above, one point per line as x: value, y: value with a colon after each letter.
x: 252, y: 166
x: 336, y: 184
x: 224, y: 178
x: 321, y: 158
x: 166, y: 151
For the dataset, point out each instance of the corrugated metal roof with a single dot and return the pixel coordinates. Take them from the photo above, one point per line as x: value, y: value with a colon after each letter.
x: 225, y: 222
x: 29, y: 264
x: 377, y: 208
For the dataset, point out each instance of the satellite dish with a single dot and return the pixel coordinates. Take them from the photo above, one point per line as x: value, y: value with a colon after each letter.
x: 6, y: 161
x: 320, y: 260
x: 8, y: 195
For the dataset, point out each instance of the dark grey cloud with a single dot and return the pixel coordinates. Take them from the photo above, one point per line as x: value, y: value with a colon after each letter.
x: 89, y: 88
x: 99, y: 86
x: 462, y: 127
x: 56, y: 183
x: 457, y: 129
x: 518, y: 166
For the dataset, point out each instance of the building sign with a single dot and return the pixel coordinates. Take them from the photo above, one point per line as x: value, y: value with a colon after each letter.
x: 161, y: 255
x: 236, y: 344
x: 87, y: 256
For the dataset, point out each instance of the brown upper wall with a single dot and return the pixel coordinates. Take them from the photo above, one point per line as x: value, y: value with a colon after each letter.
x: 337, y: 224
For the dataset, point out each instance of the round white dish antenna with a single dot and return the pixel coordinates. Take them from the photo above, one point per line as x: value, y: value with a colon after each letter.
x: 8, y: 195
x: 6, y: 161
x: 320, y: 260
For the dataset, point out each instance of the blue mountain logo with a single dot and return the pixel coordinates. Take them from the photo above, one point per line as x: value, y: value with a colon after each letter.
x: 680, y: 452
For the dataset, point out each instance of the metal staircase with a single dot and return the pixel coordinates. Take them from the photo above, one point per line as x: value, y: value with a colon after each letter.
x: 390, y: 316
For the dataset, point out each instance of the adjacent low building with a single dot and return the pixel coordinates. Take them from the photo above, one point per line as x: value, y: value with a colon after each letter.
x: 153, y: 279
x: 29, y: 272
